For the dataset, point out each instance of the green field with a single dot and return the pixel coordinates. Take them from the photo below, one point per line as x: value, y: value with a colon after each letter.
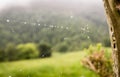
x: 60, y: 65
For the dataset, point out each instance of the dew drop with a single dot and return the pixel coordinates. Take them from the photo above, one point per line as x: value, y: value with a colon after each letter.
x: 51, y: 26
x: 7, y: 20
x: 25, y: 22
x: 38, y: 24
x: 71, y: 17
x: 61, y: 26
x: 88, y: 37
x: 67, y: 28
x: 83, y: 29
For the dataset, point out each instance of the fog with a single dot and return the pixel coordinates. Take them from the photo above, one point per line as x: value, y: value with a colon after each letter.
x: 7, y: 3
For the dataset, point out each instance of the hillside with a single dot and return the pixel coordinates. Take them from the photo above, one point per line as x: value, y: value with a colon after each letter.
x: 76, y: 24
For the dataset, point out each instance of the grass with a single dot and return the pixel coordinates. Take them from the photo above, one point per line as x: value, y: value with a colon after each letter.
x: 62, y: 65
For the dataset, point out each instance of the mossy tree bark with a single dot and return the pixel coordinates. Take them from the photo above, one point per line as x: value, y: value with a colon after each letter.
x: 112, y: 8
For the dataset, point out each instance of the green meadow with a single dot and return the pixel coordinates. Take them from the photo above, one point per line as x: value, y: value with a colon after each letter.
x: 59, y: 65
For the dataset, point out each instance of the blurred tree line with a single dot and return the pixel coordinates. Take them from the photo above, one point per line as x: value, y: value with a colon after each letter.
x: 21, y: 30
x: 25, y: 51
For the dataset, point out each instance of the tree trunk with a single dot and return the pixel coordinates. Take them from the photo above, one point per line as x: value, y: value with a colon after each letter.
x: 112, y: 8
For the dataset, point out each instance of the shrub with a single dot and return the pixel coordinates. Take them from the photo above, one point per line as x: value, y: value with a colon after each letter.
x: 106, y: 42
x: 99, y: 61
x: 2, y: 55
x: 92, y: 48
x: 10, y: 52
x: 27, y: 51
x: 44, y: 50
x: 63, y: 47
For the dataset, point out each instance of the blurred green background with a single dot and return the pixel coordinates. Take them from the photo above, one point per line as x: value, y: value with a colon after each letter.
x: 45, y: 38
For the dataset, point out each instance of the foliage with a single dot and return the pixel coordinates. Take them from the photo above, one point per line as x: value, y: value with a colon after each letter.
x: 10, y: 52
x: 14, y: 52
x: 63, y: 47
x: 99, y: 61
x: 44, y: 50
x: 2, y: 55
x: 106, y: 42
x: 93, y: 48
x: 27, y: 51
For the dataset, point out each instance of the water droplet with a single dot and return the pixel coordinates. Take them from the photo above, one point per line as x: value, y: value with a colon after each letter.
x: 7, y: 20
x: 25, y: 22
x: 51, y: 26
x: 38, y: 24
x: 88, y: 37
x: 9, y: 76
x: 83, y: 29
x: 34, y: 24
x: 61, y: 26
x: 66, y: 38
x: 71, y: 17
x: 67, y: 28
